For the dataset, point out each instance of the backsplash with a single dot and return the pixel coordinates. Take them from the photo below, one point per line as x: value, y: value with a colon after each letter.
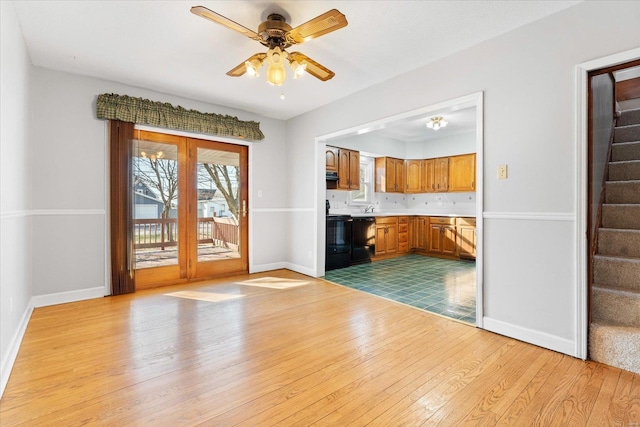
x: 431, y: 203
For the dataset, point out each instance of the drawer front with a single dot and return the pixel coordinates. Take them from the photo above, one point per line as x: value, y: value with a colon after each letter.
x: 466, y: 221
x: 403, y: 220
x: 403, y: 228
x: 403, y: 238
x: 403, y: 247
x: 386, y: 220
x: 441, y: 220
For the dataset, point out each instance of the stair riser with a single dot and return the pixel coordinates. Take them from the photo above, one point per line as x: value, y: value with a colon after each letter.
x: 627, y: 133
x: 615, y: 216
x: 629, y: 117
x: 619, y: 243
x: 615, y: 346
x: 623, y: 192
x: 620, y: 273
x: 626, y: 151
x: 616, y: 308
x: 624, y: 171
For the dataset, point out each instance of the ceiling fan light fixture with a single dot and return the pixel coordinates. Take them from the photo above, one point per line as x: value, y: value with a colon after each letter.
x: 436, y: 122
x: 276, y: 75
x: 298, y: 68
x: 252, y: 67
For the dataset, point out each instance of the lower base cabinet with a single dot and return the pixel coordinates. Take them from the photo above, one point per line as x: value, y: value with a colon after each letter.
x: 438, y: 236
x: 466, y: 239
x: 386, y: 235
x: 442, y: 235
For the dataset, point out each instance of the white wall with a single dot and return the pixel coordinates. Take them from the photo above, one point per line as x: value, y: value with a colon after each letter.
x: 528, y: 80
x: 15, y: 227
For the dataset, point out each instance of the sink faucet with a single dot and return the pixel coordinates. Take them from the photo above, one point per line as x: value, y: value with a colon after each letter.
x: 368, y: 209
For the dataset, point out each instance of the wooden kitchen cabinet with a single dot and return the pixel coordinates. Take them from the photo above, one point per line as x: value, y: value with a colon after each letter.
x: 442, y: 235
x: 389, y: 175
x: 418, y: 233
x: 348, y: 169
x: 466, y: 237
x: 386, y: 235
x: 403, y: 234
x: 462, y: 173
x: 331, y: 154
x: 429, y: 175
x: 413, y: 181
x: 441, y: 174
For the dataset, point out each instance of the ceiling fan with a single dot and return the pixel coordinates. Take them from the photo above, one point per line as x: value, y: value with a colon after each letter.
x: 277, y: 35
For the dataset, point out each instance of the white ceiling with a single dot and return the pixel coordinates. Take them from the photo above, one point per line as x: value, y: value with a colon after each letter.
x: 160, y: 45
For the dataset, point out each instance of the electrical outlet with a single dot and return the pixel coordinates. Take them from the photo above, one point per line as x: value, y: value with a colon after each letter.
x: 502, y: 171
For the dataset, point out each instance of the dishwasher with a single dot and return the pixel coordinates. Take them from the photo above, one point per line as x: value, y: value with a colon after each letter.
x: 363, y: 239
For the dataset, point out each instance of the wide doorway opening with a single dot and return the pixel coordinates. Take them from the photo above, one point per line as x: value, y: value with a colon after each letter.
x: 413, y: 207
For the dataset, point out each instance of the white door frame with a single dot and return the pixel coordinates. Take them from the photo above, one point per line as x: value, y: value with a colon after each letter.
x: 581, y: 183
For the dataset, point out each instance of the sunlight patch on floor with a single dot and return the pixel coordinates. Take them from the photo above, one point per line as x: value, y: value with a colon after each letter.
x: 204, y: 296
x: 274, y: 283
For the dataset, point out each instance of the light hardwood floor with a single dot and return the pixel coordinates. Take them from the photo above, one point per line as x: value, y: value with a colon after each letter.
x: 313, y: 354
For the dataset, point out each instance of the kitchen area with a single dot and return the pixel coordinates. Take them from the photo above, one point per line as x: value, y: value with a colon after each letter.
x: 401, y: 214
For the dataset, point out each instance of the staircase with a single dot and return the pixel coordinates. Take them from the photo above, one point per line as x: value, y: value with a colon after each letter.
x: 614, y: 336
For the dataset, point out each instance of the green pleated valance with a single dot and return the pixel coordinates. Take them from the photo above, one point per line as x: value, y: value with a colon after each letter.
x: 164, y: 115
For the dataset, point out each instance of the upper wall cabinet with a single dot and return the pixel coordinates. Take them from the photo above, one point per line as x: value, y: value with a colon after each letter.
x: 414, y: 171
x: 348, y: 169
x: 441, y: 174
x: 390, y: 175
x: 462, y: 173
x: 331, y: 155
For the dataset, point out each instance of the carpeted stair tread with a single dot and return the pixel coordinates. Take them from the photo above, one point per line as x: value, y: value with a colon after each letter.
x: 615, y: 345
x: 616, y: 306
x: 629, y: 117
x: 628, y: 170
x: 619, y: 242
x: 626, y: 216
x: 622, y: 192
x: 617, y: 272
x: 625, y: 151
x: 627, y: 133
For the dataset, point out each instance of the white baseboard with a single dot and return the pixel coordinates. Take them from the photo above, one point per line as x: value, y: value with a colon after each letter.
x: 300, y: 269
x: 64, y: 297
x: 14, y: 346
x: 267, y: 267
x: 280, y: 265
x: 531, y: 336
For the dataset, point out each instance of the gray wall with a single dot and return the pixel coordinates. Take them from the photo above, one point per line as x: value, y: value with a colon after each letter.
x: 15, y: 222
x: 528, y: 77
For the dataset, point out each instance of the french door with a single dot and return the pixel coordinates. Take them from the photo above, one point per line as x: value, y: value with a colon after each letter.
x: 189, y: 199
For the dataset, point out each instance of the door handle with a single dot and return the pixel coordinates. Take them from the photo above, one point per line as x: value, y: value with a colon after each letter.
x: 244, y: 208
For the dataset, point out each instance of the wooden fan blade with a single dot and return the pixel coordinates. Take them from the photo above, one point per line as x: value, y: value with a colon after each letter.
x: 242, y: 68
x: 318, y: 26
x: 219, y: 19
x: 316, y: 70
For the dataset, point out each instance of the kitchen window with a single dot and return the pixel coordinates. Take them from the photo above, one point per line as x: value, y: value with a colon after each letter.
x: 364, y: 195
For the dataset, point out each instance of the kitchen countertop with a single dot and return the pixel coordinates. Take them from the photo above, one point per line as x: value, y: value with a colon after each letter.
x: 376, y: 214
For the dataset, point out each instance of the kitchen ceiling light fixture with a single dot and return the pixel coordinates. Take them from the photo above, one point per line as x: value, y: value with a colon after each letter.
x: 437, y: 122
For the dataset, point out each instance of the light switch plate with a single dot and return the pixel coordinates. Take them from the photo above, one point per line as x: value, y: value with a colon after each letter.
x: 502, y: 171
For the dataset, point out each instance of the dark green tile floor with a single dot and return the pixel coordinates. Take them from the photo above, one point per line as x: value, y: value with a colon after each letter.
x: 437, y: 285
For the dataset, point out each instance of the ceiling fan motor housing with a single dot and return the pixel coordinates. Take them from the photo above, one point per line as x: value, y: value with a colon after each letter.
x: 273, y: 32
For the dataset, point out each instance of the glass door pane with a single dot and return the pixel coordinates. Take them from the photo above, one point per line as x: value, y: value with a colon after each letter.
x: 155, y: 204
x: 218, y: 204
